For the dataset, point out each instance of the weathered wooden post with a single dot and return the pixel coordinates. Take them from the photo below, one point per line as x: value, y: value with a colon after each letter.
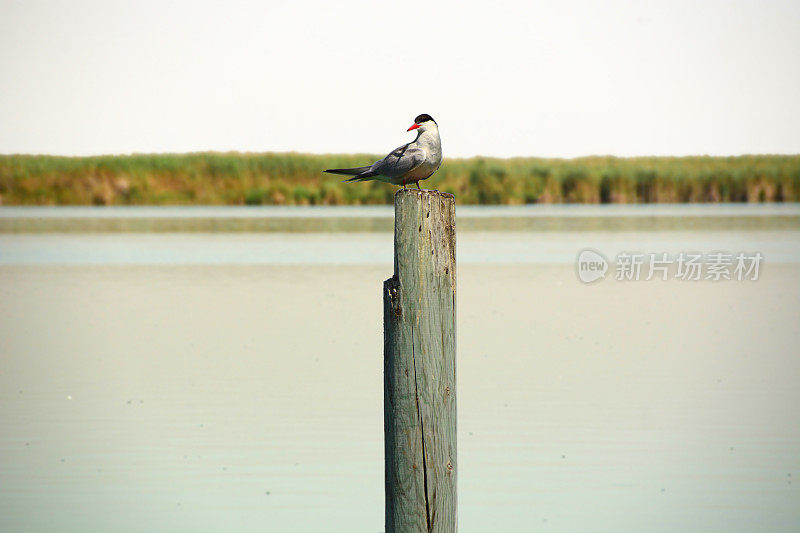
x: 419, y: 402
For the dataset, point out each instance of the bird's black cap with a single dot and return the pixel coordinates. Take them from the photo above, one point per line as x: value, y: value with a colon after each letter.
x: 423, y: 118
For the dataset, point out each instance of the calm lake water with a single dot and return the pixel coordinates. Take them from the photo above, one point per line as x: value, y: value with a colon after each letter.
x: 219, y: 369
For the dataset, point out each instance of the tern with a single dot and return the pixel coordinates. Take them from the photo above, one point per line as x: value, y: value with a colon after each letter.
x: 410, y: 163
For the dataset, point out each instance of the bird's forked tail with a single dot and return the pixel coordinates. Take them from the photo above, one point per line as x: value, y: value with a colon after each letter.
x: 358, y: 173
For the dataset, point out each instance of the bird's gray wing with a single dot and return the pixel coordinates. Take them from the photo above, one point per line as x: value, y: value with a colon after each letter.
x: 400, y: 161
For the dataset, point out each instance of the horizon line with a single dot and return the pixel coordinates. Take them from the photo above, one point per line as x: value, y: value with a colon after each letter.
x: 323, y: 154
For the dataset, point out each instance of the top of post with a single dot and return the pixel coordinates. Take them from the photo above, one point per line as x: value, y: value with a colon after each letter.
x: 424, y: 233
x: 403, y: 194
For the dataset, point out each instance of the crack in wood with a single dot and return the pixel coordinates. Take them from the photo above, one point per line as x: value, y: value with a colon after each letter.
x: 422, y: 431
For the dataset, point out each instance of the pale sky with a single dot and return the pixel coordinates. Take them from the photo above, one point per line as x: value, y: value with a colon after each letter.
x: 549, y: 79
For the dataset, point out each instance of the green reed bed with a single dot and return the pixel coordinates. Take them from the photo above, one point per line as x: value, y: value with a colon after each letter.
x: 297, y: 179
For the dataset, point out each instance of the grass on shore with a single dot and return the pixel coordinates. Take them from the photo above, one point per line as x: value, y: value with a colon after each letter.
x: 297, y: 179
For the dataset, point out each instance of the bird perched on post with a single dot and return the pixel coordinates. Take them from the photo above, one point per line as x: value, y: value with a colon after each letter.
x: 410, y: 163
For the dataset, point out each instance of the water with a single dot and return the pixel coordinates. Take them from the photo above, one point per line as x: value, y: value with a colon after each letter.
x: 189, y: 380
x: 541, y: 218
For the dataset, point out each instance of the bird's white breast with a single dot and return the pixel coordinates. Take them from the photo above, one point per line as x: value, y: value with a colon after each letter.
x: 430, y: 142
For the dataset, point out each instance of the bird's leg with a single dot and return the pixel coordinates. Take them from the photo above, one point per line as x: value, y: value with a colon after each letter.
x: 418, y: 187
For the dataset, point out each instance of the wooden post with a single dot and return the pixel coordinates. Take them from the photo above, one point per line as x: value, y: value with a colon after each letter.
x: 419, y: 402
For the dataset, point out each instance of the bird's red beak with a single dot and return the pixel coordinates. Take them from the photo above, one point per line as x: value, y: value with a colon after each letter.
x: 413, y: 127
